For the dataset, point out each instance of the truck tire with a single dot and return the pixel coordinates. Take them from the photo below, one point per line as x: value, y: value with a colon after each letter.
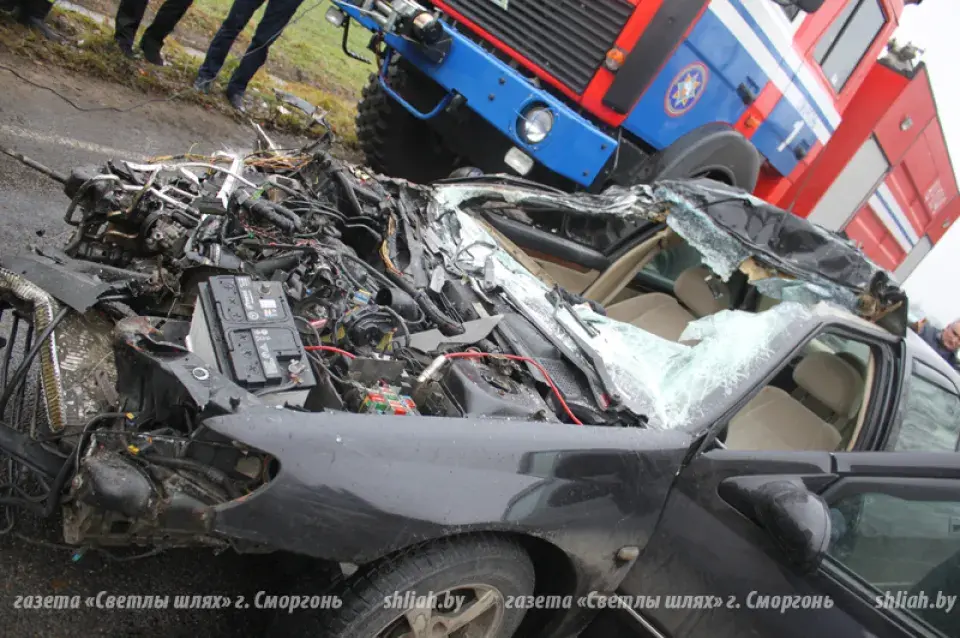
x: 715, y: 151
x: 485, y: 570
x: 395, y: 142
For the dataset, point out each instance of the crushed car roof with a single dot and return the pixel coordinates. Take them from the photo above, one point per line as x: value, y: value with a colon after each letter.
x: 784, y: 256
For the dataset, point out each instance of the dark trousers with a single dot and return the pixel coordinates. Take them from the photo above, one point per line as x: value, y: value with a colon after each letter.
x: 275, y: 18
x: 130, y: 14
x: 28, y: 9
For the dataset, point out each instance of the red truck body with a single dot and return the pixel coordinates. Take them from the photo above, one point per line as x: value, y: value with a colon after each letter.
x: 886, y: 177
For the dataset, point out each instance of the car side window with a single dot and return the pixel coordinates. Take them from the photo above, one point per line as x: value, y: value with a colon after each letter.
x: 844, y: 44
x: 603, y: 235
x: 667, y: 264
x: 817, y: 401
x: 929, y: 417
x: 905, y: 548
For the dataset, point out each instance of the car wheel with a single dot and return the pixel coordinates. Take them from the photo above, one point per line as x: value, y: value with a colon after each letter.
x: 393, y: 141
x: 453, y: 588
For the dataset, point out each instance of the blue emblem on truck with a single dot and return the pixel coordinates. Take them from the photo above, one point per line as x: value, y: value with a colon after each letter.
x: 686, y: 89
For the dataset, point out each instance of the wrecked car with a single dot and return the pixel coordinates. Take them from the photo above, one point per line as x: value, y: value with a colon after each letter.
x: 481, y: 391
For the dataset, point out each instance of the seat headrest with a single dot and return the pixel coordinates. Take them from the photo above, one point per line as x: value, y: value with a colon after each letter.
x: 701, y: 291
x: 830, y: 380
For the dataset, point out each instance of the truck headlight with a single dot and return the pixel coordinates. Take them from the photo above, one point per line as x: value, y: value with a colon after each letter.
x: 336, y: 17
x: 535, y: 124
x: 427, y: 28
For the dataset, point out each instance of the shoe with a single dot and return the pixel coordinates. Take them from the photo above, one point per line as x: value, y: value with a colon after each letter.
x: 202, y: 85
x: 41, y: 27
x: 125, y: 49
x: 151, y: 53
x: 236, y: 101
x: 9, y: 7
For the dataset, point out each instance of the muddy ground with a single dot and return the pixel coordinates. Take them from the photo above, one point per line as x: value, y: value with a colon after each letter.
x: 44, y: 127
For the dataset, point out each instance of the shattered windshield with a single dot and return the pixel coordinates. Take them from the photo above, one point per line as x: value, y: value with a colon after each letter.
x: 665, y: 382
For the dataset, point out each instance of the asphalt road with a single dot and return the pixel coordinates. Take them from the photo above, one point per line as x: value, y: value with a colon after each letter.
x: 44, y: 127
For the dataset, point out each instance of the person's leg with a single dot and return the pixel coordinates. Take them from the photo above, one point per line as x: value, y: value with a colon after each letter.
x: 167, y: 17
x: 275, y: 18
x: 238, y: 17
x: 35, y: 9
x: 129, y: 16
x: 33, y: 13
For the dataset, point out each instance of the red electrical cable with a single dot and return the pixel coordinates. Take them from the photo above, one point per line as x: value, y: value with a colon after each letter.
x: 513, y: 357
x: 479, y: 355
x: 331, y: 349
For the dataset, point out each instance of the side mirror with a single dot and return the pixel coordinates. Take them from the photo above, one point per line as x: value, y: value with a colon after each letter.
x: 797, y: 520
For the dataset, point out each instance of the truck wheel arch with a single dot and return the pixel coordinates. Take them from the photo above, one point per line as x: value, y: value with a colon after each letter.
x: 715, y: 150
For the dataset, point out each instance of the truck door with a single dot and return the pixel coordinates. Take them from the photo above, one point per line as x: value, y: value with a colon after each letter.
x: 739, y: 59
x: 711, y: 77
x: 826, y: 75
x: 796, y: 111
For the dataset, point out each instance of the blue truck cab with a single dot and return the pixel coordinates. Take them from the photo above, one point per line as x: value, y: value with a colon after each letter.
x: 582, y: 95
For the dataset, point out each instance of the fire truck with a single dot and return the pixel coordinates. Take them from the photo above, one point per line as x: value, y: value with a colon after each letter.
x: 584, y: 94
x: 885, y: 179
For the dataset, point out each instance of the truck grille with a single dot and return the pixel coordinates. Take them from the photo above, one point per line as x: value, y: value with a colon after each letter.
x: 567, y: 38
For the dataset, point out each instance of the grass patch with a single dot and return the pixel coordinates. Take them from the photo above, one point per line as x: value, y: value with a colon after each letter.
x: 308, y: 52
x: 332, y: 82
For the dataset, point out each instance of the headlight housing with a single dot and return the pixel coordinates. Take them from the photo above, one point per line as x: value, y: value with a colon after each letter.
x: 535, y: 124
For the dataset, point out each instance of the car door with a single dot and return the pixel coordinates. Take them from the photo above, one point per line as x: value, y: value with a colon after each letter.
x: 575, y: 249
x: 710, y: 544
x: 929, y: 418
x: 891, y: 569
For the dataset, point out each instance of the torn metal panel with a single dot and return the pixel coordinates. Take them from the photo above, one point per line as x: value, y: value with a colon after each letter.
x: 473, y: 331
x: 63, y: 282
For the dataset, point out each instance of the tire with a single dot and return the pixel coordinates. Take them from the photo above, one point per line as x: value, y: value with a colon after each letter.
x: 394, y: 142
x: 715, y: 151
x: 499, y: 565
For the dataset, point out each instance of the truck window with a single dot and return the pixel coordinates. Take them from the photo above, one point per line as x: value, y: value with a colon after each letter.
x: 930, y: 418
x: 845, y: 43
x: 906, y: 544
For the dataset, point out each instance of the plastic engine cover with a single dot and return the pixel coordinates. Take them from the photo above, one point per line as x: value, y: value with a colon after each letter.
x: 480, y: 390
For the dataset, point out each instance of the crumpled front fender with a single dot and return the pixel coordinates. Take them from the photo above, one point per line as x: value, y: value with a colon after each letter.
x: 353, y: 488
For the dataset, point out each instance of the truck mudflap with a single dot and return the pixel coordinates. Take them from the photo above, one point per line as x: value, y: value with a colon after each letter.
x: 574, y: 148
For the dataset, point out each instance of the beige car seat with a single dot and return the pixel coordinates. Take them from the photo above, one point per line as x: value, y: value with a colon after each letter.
x: 698, y: 289
x: 774, y: 420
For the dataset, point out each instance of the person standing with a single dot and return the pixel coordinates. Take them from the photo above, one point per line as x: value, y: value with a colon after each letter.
x: 32, y: 13
x: 276, y: 16
x: 945, y: 342
x: 130, y: 15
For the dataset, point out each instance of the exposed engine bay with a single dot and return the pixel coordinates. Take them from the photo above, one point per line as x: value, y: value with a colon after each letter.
x: 286, y: 285
x: 191, y: 289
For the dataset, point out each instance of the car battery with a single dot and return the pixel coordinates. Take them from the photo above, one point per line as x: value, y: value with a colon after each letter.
x: 249, y: 329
